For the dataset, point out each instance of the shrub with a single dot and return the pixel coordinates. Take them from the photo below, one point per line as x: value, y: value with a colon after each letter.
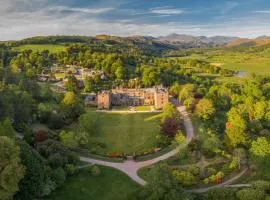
x: 73, y: 158
x: 184, y: 177
x: 250, y: 194
x: 211, y: 171
x: 41, y: 136
x: 220, y: 194
x: 194, y: 170
x: 179, y: 138
x: 70, y: 169
x: 57, y: 160
x: 59, y: 176
x: 170, y: 127
x: 67, y: 138
x: 95, y: 171
x: 162, y: 140
x: 261, y: 185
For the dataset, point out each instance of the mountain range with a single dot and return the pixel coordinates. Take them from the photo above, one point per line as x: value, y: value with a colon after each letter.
x: 181, y: 38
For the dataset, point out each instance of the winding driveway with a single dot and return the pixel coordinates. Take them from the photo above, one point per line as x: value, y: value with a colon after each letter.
x: 131, y: 167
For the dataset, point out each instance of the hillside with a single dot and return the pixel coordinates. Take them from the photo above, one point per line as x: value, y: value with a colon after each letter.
x: 259, y: 41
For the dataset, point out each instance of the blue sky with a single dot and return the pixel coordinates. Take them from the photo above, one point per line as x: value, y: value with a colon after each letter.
x: 26, y: 18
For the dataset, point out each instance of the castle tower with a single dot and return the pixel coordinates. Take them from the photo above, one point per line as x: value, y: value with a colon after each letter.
x: 161, y: 98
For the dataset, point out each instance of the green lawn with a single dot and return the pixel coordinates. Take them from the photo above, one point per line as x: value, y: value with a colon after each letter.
x: 250, y: 63
x: 136, y: 108
x: 41, y: 47
x: 110, y: 185
x: 122, y: 133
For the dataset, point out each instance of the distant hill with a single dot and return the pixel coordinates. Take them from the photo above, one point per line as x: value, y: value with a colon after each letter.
x: 259, y: 41
x: 196, y: 41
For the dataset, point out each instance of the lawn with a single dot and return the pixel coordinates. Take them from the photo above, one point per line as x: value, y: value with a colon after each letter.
x: 110, y: 185
x: 41, y: 47
x: 122, y: 133
x: 136, y: 108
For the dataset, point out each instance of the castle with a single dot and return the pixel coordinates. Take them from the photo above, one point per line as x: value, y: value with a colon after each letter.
x: 157, y: 97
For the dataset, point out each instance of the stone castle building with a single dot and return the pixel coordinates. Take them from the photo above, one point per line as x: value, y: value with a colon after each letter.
x: 157, y: 97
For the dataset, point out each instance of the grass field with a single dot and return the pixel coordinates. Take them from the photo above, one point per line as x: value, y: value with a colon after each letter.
x: 123, y: 133
x: 242, y: 61
x: 110, y: 185
x: 41, y: 47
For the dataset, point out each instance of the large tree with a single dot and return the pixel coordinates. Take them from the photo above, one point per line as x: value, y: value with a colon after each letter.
x: 205, y: 109
x: 235, y: 129
x: 11, y: 169
x: 32, y: 184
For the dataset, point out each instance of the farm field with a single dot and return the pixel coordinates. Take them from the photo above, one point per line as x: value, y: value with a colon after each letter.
x: 122, y: 133
x: 110, y: 185
x: 41, y: 47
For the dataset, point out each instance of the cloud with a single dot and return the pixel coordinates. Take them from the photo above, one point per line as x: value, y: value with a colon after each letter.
x: 262, y: 11
x: 83, y: 10
x: 27, y: 18
x: 229, y: 6
x: 167, y: 11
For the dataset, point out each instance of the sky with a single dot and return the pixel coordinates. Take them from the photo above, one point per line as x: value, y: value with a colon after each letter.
x: 26, y: 18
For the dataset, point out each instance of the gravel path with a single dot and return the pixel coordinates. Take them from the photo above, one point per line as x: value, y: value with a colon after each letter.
x: 131, y: 167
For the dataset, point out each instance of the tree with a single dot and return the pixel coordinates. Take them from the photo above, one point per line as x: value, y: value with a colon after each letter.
x: 67, y: 138
x: 150, y: 76
x: 9, y: 163
x: 209, y: 140
x: 170, y: 127
x: 161, y: 186
x: 71, y: 84
x: 189, y: 102
x: 184, y: 177
x: 169, y: 111
x: 69, y: 99
x: 250, y: 194
x: 260, y: 147
x: 120, y: 73
x: 71, y: 106
x: 88, y: 84
x: 205, y: 109
x: 6, y: 128
x: 30, y: 73
x: 175, y: 89
x: 32, y: 184
x: 186, y: 92
x: 235, y: 129
x: 260, y: 155
x: 59, y: 176
x: 260, y: 110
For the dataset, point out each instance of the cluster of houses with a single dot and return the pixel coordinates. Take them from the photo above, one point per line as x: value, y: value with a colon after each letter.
x: 157, y: 97
x: 60, y: 73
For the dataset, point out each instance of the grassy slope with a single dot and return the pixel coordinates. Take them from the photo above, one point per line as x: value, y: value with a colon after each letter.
x: 41, y: 47
x: 110, y: 185
x: 126, y: 133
